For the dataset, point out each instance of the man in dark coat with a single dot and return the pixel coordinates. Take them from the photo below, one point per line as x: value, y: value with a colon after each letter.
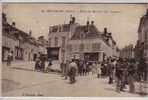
x: 72, y: 71
x: 43, y: 60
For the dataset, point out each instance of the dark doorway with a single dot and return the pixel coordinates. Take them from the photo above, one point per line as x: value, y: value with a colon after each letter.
x: 5, y: 51
x: 53, y: 53
x: 91, y: 56
x: 34, y: 57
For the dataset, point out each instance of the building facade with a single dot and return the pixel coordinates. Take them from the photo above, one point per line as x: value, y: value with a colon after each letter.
x: 58, y: 38
x: 23, y: 45
x: 90, y: 44
x: 142, y: 43
x: 80, y: 41
x: 127, y: 52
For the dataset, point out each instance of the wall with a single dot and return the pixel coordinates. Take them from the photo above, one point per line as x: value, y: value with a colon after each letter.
x: 99, y: 46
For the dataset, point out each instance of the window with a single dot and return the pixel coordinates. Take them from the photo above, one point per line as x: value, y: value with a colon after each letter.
x: 60, y: 28
x: 96, y: 46
x: 81, y: 48
x: 54, y: 29
x: 69, y: 47
x: 63, y: 41
x: 56, y: 41
x: 49, y: 42
x: 66, y: 28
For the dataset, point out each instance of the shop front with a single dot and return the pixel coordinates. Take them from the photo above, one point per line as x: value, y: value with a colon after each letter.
x: 53, y: 53
x: 5, y: 51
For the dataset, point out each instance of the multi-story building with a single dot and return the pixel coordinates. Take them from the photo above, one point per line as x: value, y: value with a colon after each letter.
x: 59, y: 36
x: 23, y: 45
x: 142, y: 43
x: 80, y: 41
x: 43, y: 44
x: 90, y: 44
x: 127, y: 52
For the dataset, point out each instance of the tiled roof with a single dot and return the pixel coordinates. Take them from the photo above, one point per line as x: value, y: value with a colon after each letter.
x: 16, y: 33
x: 86, y: 32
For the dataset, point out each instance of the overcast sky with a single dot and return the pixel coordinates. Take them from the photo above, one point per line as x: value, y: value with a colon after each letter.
x: 122, y: 20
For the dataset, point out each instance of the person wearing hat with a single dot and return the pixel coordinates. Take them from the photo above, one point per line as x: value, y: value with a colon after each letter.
x: 118, y: 75
x: 72, y: 71
x: 131, y: 74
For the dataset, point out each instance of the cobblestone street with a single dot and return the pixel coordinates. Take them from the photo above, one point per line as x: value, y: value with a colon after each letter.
x: 20, y: 80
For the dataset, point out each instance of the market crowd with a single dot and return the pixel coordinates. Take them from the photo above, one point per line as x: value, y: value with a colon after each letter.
x: 119, y: 71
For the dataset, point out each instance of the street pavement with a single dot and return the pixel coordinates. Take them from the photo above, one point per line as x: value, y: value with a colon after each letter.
x: 20, y: 80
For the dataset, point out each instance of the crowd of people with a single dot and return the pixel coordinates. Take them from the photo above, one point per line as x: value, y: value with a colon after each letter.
x: 40, y: 63
x: 79, y: 67
x: 119, y: 71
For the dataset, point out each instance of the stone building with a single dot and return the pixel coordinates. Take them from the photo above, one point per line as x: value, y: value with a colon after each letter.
x: 80, y: 41
x: 128, y: 52
x: 142, y: 43
x: 42, y: 45
x: 58, y: 38
x: 22, y: 44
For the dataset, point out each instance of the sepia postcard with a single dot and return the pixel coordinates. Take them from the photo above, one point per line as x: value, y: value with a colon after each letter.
x: 74, y: 49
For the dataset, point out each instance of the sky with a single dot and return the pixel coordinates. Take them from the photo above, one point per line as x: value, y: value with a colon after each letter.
x: 122, y: 20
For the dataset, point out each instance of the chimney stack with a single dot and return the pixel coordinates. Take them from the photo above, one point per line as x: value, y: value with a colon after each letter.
x: 72, y: 20
x: 4, y: 17
x: 92, y: 22
x: 110, y: 34
x: 13, y: 24
x: 30, y: 33
x: 105, y: 30
x: 87, y: 23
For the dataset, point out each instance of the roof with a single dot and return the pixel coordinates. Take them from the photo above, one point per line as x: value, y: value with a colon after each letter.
x: 60, y: 28
x: 15, y: 33
x: 86, y: 32
x: 142, y: 21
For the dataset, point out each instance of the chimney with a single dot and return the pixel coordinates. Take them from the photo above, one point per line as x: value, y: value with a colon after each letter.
x: 87, y: 23
x: 105, y: 30
x: 13, y: 24
x: 109, y: 34
x: 72, y: 20
x: 30, y: 33
x: 92, y: 22
x: 4, y: 17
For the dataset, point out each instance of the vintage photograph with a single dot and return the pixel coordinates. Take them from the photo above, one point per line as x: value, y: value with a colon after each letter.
x: 74, y: 50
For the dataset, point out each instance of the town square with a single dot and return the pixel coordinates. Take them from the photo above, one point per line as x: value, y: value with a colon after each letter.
x: 74, y: 50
